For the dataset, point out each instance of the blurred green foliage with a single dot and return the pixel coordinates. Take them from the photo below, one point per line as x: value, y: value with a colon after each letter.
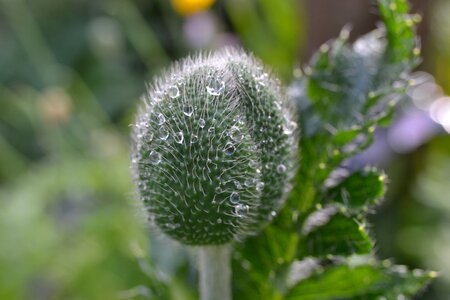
x: 66, y: 224
x: 70, y: 75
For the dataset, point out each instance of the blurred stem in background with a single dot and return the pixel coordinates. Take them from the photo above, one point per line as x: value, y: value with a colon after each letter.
x: 49, y: 72
x: 27, y: 31
x: 139, y: 33
x: 274, y: 37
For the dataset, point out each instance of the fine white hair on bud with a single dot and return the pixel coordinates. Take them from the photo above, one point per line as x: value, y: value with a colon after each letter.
x: 214, y: 148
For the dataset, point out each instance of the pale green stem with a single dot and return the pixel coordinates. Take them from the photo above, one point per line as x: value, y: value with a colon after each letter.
x: 215, y: 272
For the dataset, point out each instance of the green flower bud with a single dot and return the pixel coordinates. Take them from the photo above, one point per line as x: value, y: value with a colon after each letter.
x: 214, y: 148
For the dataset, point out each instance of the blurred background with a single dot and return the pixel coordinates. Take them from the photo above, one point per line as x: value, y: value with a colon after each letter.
x: 71, y: 74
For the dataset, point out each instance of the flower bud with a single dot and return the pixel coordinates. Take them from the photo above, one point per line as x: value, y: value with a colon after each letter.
x: 214, y: 148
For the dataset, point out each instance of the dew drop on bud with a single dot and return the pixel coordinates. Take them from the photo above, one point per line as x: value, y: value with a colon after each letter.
x: 249, y: 182
x: 188, y: 110
x: 173, y: 92
x: 235, y: 134
x: 155, y: 157
x: 289, y: 128
x: 260, y: 186
x: 281, y: 168
x: 237, y: 184
x: 201, y: 123
x: 272, y: 215
x: 163, y: 133
x: 269, y: 165
x: 160, y: 119
x: 229, y: 149
x: 194, y: 139
x: 215, y: 87
x: 179, y: 137
x: 234, y: 198
x: 211, y: 130
x: 241, y: 210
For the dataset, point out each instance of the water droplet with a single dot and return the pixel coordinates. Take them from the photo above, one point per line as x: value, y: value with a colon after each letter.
x: 179, y: 137
x: 173, y: 92
x: 201, y: 123
x: 218, y: 190
x: 234, y: 198
x: 289, y: 127
x: 249, y: 182
x: 163, y: 133
x: 194, y: 139
x: 229, y: 149
x: 155, y: 157
x: 236, y: 134
x: 215, y: 86
x: 219, y: 221
x: 211, y: 130
x: 260, y: 186
x: 188, y: 110
x: 281, y: 168
x: 272, y: 215
x: 159, y: 119
x: 237, y: 184
x: 241, y: 210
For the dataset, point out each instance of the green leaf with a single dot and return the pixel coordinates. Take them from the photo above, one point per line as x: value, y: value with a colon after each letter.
x: 338, y: 84
x: 259, y: 258
x: 345, y: 80
x: 347, y: 91
x: 363, y: 281
x: 360, y: 190
x: 400, y: 32
x: 340, y: 235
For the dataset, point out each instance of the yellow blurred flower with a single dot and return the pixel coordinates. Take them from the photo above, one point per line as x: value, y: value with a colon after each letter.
x: 188, y: 7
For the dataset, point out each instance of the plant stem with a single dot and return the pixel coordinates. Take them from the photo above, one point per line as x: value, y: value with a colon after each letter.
x: 215, y: 272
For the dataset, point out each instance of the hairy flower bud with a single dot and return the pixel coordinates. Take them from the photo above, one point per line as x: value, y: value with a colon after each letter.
x: 213, y: 148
